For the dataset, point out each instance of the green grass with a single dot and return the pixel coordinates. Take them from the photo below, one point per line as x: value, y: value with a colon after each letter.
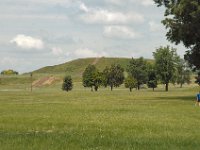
x: 51, y: 119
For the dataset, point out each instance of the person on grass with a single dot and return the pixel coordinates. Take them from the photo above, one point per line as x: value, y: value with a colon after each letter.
x: 198, y: 99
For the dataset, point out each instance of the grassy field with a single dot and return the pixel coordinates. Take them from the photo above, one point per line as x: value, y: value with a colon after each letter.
x: 49, y: 119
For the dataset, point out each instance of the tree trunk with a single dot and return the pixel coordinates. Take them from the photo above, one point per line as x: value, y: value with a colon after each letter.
x: 181, y: 85
x: 166, y: 86
x: 91, y: 89
x: 130, y: 89
x: 96, y: 88
x: 111, y: 87
x: 153, y: 89
x: 138, y: 86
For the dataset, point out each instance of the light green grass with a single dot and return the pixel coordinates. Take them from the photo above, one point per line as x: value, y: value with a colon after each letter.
x: 49, y: 119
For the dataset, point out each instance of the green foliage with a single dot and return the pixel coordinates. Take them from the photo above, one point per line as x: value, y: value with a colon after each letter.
x: 183, y: 22
x: 92, y: 77
x: 152, y: 78
x: 9, y: 72
x: 130, y: 83
x: 67, y: 84
x: 137, y: 68
x: 198, y: 78
x: 113, y: 76
x: 183, y: 73
x: 165, y: 64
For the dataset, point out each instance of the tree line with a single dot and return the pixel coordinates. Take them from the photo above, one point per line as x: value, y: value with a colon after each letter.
x: 167, y: 68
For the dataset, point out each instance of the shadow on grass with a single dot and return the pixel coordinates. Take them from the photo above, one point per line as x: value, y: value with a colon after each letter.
x: 177, y: 98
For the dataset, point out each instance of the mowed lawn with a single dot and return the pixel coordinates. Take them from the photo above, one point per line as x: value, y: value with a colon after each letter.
x: 49, y: 119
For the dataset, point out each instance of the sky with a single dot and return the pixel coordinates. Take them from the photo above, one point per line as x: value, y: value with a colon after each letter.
x: 38, y: 33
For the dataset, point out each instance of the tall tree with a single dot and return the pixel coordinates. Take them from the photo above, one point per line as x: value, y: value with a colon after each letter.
x: 67, y: 84
x: 165, y: 63
x: 183, y: 22
x: 137, y: 68
x: 130, y: 83
x: 114, y: 76
x: 91, y: 77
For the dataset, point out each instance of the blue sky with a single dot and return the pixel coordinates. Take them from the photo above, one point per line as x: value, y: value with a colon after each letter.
x: 37, y: 33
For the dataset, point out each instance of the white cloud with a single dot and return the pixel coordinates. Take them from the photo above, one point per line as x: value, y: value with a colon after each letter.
x: 102, y: 16
x: 155, y: 26
x: 27, y: 42
x: 147, y: 2
x: 88, y: 53
x: 141, y: 2
x: 84, y: 8
x: 57, y: 51
x: 122, y: 32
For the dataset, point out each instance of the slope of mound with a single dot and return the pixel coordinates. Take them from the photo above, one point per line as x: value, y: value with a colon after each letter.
x: 76, y: 67
x: 46, y: 81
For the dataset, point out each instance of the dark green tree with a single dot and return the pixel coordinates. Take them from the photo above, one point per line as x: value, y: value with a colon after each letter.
x: 152, y: 78
x: 67, y: 84
x: 97, y: 80
x: 182, y: 19
x: 165, y: 64
x: 91, y: 77
x: 114, y: 76
x: 137, y: 68
x: 130, y: 83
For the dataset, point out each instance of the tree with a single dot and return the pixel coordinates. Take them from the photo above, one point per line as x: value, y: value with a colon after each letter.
x: 67, y: 84
x: 9, y: 72
x: 130, y: 83
x: 183, y: 73
x: 137, y: 68
x: 92, y: 77
x: 114, y: 76
x: 152, y: 78
x: 198, y: 79
x: 165, y: 64
x: 183, y: 22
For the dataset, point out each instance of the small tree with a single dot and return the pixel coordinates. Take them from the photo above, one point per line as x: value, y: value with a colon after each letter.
x: 130, y: 83
x: 183, y: 73
x: 114, y: 76
x: 97, y: 80
x: 165, y: 64
x: 9, y: 72
x: 137, y: 68
x: 152, y: 78
x: 67, y: 84
x: 92, y: 77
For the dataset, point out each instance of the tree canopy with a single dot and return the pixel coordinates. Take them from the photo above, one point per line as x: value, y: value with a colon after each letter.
x: 92, y: 77
x: 114, y: 75
x: 183, y: 24
x: 9, y: 72
x: 165, y: 63
x: 137, y: 68
x: 152, y: 78
x: 67, y: 84
x: 130, y: 83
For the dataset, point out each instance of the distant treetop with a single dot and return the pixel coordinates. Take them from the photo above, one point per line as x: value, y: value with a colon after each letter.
x: 9, y: 72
